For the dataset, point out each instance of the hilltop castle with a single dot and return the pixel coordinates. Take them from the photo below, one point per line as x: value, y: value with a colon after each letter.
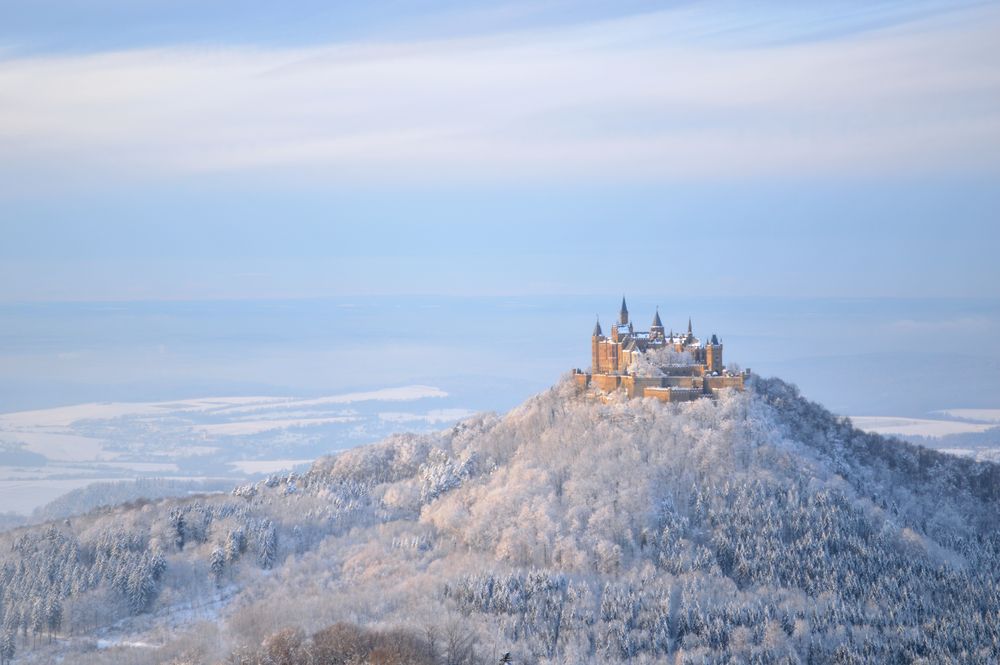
x: 670, y: 367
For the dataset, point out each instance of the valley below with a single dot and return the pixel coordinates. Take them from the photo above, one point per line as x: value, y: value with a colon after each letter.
x: 757, y: 527
x: 200, y: 443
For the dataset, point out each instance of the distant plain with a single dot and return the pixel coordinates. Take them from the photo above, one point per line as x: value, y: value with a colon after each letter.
x: 233, y: 389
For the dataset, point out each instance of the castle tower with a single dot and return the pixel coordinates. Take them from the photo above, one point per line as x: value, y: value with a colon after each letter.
x: 623, y: 314
x: 656, y: 330
x: 713, y: 355
x: 595, y: 344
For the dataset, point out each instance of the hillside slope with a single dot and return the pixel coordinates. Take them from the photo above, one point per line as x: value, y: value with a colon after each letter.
x: 757, y: 527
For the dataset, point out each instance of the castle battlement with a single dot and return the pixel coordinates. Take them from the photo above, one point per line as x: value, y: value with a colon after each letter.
x: 670, y: 367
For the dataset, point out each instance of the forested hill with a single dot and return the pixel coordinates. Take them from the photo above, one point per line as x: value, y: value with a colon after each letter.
x: 754, y: 528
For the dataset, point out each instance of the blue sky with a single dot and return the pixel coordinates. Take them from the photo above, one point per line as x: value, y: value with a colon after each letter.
x: 191, y: 150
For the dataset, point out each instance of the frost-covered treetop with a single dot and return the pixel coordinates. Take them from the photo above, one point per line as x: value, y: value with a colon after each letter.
x: 653, y: 362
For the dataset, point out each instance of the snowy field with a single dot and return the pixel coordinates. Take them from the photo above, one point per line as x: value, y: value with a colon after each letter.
x: 971, y: 433
x: 974, y: 415
x: 47, y: 452
x: 892, y: 426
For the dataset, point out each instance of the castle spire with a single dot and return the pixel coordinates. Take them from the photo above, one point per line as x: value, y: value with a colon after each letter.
x: 623, y: 314
x: 689, y: 325
x: 597, y: 328
x: 656, y: 320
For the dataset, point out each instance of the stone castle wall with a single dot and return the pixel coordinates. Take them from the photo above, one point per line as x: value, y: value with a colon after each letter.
x: 665, y: 388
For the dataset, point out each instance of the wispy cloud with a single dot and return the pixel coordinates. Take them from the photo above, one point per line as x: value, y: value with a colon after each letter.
x: 650, y: 97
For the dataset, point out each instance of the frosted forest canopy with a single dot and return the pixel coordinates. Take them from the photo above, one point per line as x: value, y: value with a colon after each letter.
x: 756, y: 527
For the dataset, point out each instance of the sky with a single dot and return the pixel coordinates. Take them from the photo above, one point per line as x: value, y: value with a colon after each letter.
x: 182, y: 150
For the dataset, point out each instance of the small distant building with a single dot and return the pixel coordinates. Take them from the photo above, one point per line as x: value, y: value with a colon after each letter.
x: 670, y: 367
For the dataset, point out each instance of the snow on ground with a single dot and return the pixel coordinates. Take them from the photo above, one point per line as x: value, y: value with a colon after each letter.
x: 61, y: 447
x: 64, y: 416
x: 219, y: 403
x: 47, y: 452
x: 978, y: 454
x: 401, y: 394
x: 962, y: 438
x: 896, y: 426
x: 977, y: 415
x: 433, y: 417
x: 959, y: 452
x: 193, y: 451
x: 144, y: 467
x: 41, y: 472
x: 268, y: 465
x: 245, y: 427
x: 108, y: 644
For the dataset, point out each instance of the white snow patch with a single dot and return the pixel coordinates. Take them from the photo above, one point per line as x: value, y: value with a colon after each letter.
x: 218, y: 403
x: 979, y: 454
x: 959, y: 452
x: 84, y: 443
x: 43, y: 472
x: 268, y: 465
x: 400, y: 394
x: 915, y: 426
x: 64, y: 416
x: 434, y: 416
x: 108, y: 644
x: 193, y: 451
x: 245, y: 427
x: 143, y: 467
x: 977, y: 415
x: 61, y: 446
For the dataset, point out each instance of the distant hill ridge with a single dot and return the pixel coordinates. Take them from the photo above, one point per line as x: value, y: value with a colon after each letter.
x: 756, y: 527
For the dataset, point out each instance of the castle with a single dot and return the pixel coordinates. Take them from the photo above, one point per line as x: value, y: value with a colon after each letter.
x: 667, y: 366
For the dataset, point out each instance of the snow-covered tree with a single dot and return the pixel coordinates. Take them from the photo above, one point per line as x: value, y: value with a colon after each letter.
x: 217, y: 563
x: 657, y: 362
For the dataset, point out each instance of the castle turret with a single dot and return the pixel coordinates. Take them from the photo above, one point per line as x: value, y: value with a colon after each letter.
x: 595, y: 348
x: 713, y: 355
x: 656, y: 330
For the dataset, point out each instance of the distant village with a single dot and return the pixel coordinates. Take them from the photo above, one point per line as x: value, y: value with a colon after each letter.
x: 664, y: 365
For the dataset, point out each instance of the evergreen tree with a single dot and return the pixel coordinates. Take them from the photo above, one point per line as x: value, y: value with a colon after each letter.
x: 53, y: 614
x: 236, y: 544
x: 218, y: 565
x: 267, y: 544
x: 37, y: 618
x: 8, y: 647
x: 177, y: 526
